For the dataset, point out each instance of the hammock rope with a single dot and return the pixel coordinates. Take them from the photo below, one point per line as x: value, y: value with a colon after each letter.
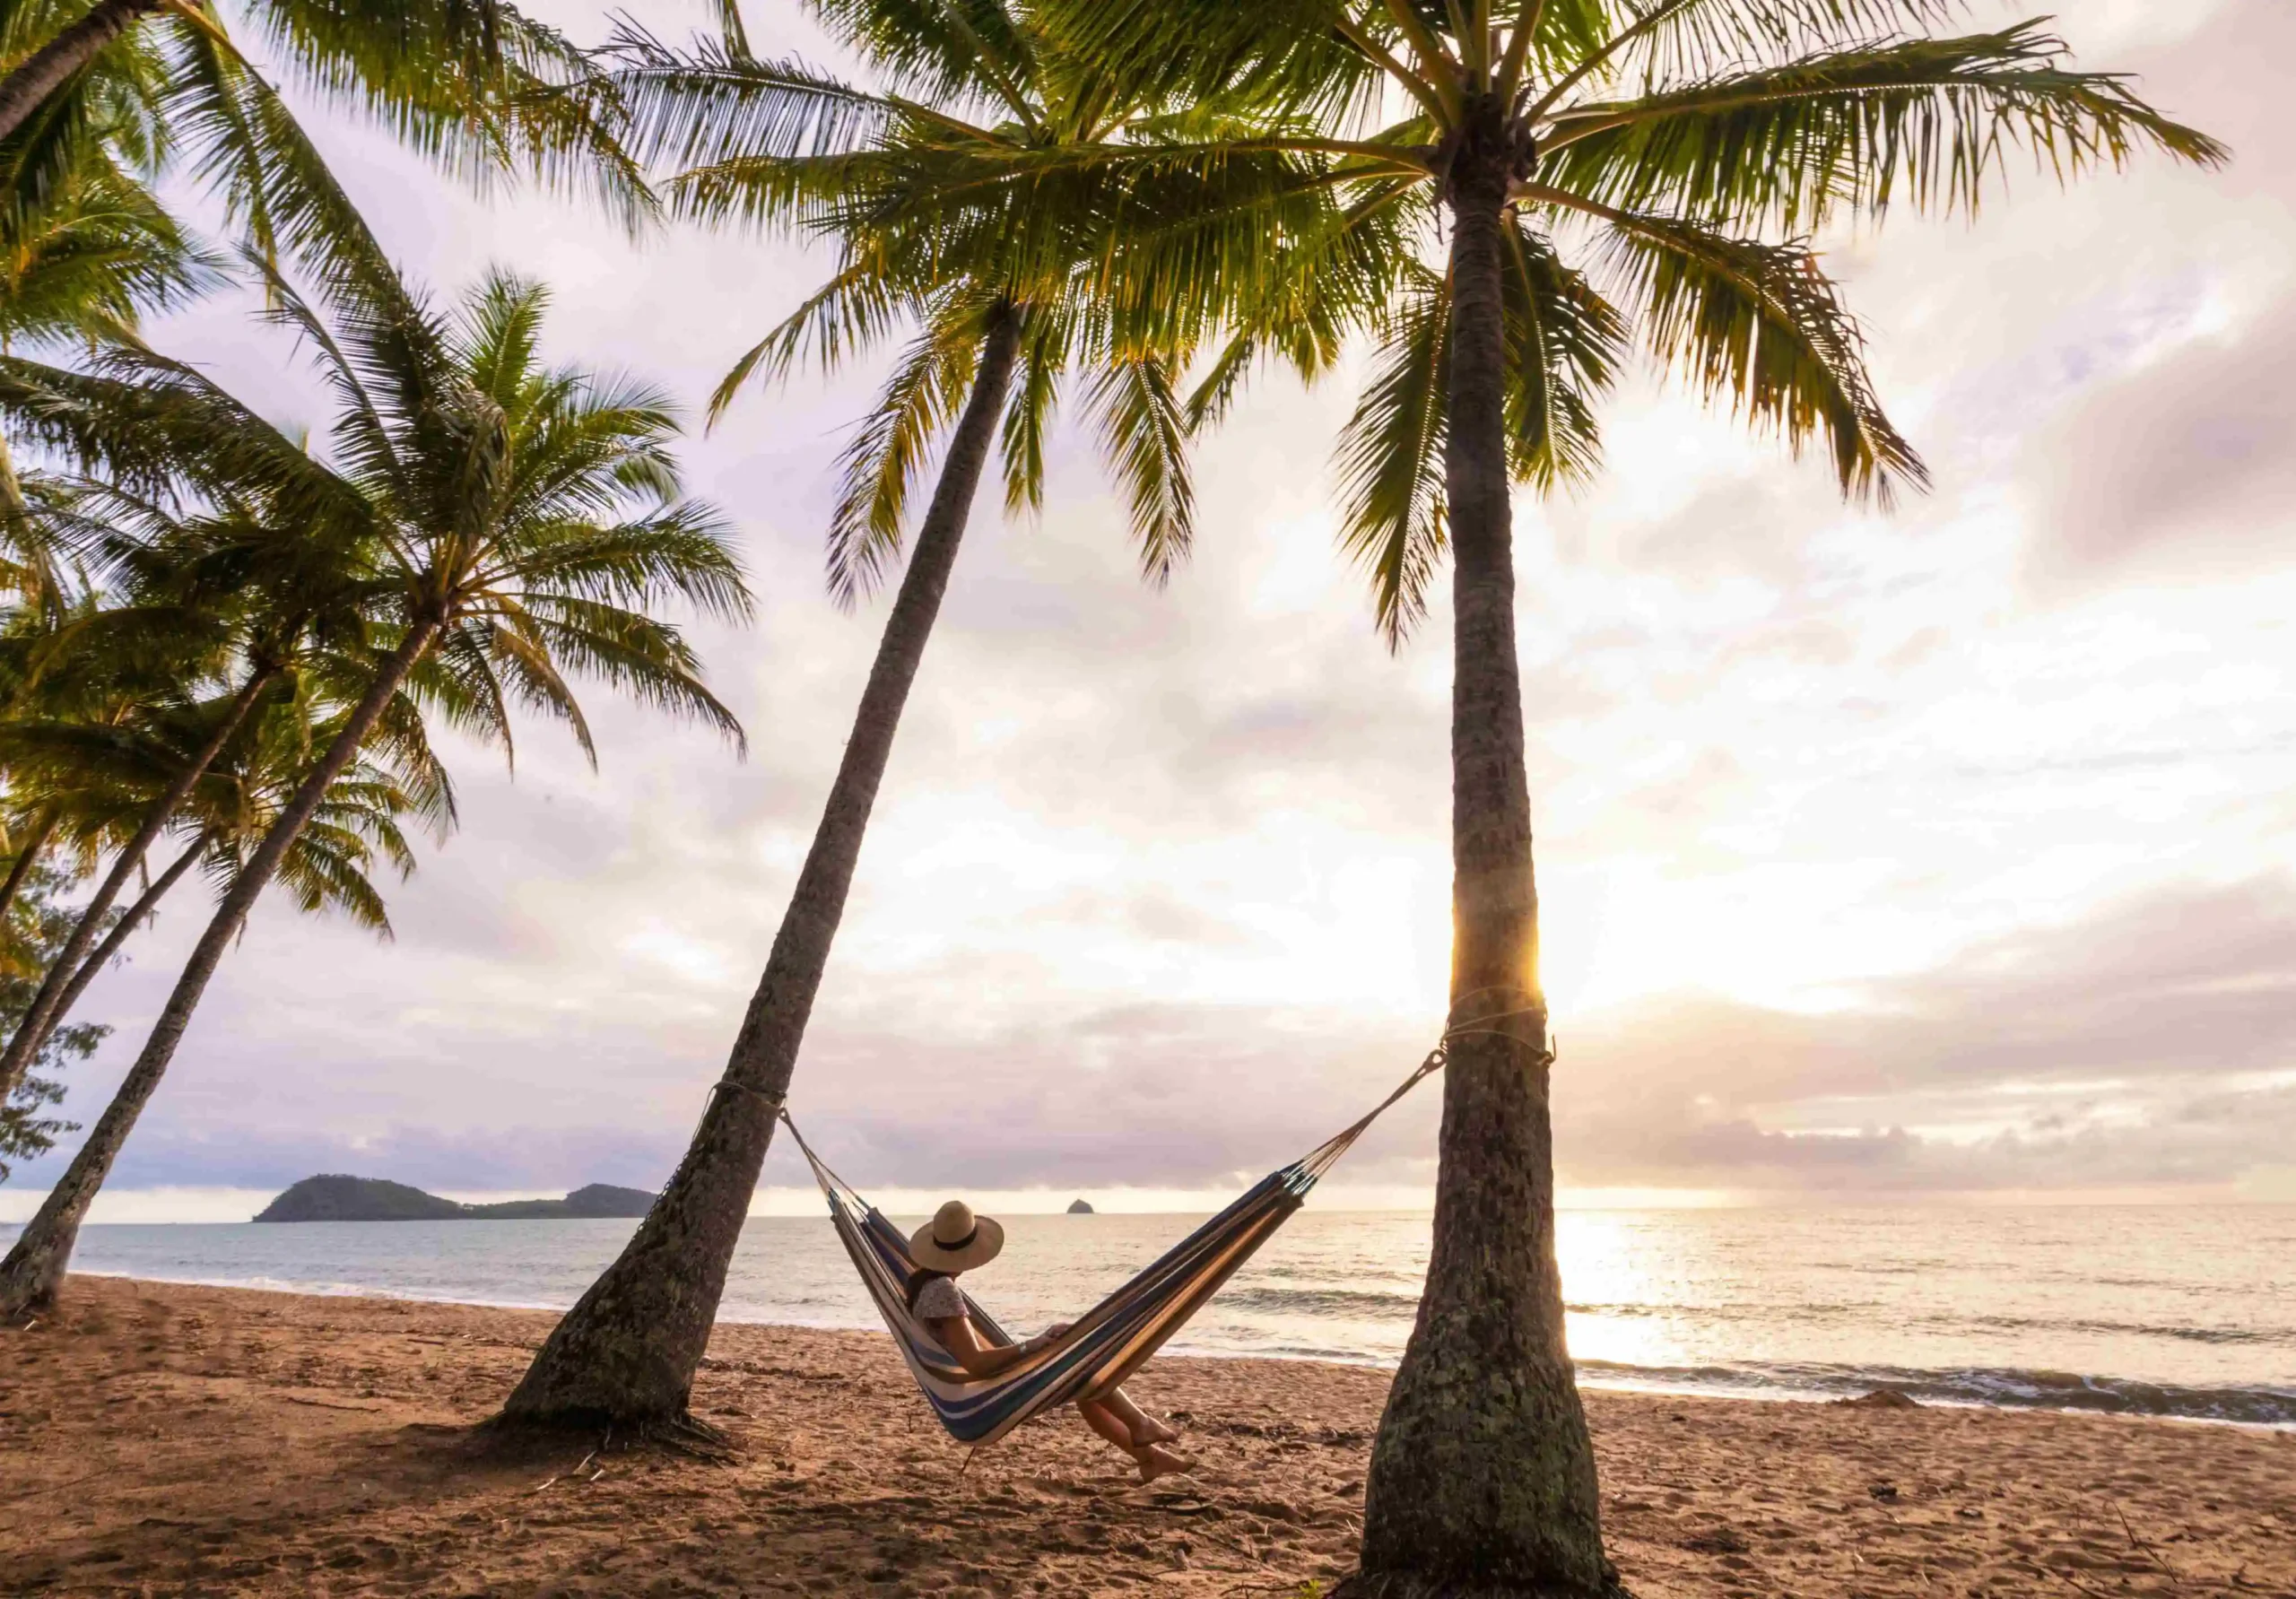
x: 1115, y: 1337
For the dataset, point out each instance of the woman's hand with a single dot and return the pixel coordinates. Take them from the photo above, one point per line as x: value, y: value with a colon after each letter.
x: 1055, y: 1330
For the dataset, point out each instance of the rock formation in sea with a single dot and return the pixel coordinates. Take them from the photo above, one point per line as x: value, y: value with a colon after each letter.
x: 335, y: 1198
x: 1079, y: 1208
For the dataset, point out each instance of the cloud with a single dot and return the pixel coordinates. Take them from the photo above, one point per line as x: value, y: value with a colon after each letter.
x: 2153, y: 1043
x: 1864, y: 862
x: 2186, y: 468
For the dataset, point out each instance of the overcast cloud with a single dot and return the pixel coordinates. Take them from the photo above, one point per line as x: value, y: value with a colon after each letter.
x: 1946, y: 852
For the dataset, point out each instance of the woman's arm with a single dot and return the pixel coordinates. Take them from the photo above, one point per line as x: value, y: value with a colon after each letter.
x: 960, y: 1338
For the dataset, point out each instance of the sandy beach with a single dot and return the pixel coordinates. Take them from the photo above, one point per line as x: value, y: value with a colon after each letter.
x: 159, y: 1439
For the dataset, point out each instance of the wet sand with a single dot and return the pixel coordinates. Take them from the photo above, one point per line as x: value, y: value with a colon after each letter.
x: 167, y: 1439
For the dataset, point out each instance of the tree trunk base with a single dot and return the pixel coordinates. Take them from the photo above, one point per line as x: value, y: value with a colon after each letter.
x: 31, y: 1274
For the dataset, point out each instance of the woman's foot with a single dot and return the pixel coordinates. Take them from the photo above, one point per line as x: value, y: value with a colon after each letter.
x: 1156, y: 1461
x: 1152, y: 1431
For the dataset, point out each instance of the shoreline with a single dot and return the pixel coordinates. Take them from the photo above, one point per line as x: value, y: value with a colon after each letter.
x: 1601, y: 1376
x: 162, y: 1437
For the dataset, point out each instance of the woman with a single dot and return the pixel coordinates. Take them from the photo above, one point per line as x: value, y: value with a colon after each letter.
x: 956, y: 1240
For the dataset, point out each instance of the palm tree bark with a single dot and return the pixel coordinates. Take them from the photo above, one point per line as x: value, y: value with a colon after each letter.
x: 626, y: 1354
x: 1483, y: 1475
x: 48, y: 1006
x: 122, y: 930
x: 53, y: 64
x: 34, y: 1268
x: 26, y: 858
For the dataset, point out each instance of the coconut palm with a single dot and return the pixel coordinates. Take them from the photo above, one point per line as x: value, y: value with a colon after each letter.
x: 1006, y: 305
x: 254, y: 594
x: 474, y: 84
x: 32, y: 928
x: 499, y: 523
x: 244, y: 766
x: 97, y: 251
x: 98, y: 248
x: 1603, y: 167
x: 328, y: 867
x: 78, y: 678
x: 124, y: 783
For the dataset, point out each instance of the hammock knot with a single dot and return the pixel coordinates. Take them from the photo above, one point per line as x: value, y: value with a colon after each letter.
x: 776, y: 1103
x: 1484, y: 1024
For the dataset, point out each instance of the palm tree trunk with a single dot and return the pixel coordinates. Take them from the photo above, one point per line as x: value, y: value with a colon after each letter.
x: 47, y: 1007
x: 627, y: 1349
x: 52, y: 65
x: 22, y: 866
x: 34, y: 1269
x: 1482, y: 1476
x: 119, y: 934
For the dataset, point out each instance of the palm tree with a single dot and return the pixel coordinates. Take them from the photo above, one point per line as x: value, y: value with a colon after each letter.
x: 327, y: 867
x: 32, y: 928
x: 130, y: 780
x: 260, y: 595
x: 498, y: 523
x: 243, y: 778
x: 1681, y: 148
x: 94, y: 251
x: 78, y: 679
x: 474, y: 83
x: 1007, y: 304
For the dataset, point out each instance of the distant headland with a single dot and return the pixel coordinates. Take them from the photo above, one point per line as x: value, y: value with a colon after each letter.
x: 333, y: 1198
x: 1079, y: 1208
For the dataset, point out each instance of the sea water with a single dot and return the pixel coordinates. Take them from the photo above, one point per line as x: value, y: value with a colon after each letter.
x: 2173, y: 1311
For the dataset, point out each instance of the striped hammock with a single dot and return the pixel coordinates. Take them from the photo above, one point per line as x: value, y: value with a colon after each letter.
x: 1112, y: 1340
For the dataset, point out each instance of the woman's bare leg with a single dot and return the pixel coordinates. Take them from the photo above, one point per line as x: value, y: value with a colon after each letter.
x: 1106, y: 1423
x: 1145, y: 1428
x: 1153, y: 1460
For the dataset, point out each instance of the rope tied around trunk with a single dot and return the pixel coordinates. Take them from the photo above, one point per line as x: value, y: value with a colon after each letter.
x: 1478, y: 1027
x: 777, y: 1103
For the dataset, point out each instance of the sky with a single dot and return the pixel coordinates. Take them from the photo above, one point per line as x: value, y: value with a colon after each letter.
x: 1938, y: 856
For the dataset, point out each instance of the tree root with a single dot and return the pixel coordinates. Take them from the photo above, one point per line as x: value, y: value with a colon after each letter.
x: 682, y: 1434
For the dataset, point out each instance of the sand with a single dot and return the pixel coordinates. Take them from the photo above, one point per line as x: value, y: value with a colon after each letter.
x: 165, y: 1439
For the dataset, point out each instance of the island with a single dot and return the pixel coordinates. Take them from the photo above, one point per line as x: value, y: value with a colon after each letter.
x: 1079, y: 1208
x: 331, y: 1197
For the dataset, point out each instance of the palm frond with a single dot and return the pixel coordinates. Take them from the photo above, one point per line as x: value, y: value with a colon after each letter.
x: 1934, y: 120
x: 1564, y: 346
x: 1144, y: 434
x: 1029, y: 406
x: 1760, y: 327
x: 714, y: 101
x: 1390, y: 461
x: 844, y: 317
x: 889, y: 450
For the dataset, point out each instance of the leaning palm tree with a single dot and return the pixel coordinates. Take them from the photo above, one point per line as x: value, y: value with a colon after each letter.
x: 242, y: 780
x: 1007, y: 304
x: 124, y: 785
x: 498, y: 523
x: 78, y: 681
x: 1680, y: 151
x: 356, y: 824
x: 31, y: 926
x: 257, y: 595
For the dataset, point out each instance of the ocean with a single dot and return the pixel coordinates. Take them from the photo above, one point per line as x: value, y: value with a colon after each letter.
x: 2163, y: 1311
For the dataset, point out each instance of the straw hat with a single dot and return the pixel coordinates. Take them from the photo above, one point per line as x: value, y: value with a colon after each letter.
x: 955, y: 1239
